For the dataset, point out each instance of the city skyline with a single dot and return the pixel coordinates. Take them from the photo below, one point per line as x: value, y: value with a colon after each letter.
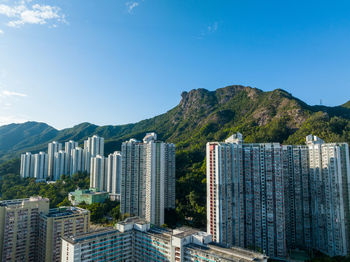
x: 268, y: 197
x: 81, y: 52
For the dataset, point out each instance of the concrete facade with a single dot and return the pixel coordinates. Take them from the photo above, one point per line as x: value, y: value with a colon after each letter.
x: 19, y: 223
x: 57, y: 223
x: 148, y: 178
x: 135, y: 240
x: 275, y: 198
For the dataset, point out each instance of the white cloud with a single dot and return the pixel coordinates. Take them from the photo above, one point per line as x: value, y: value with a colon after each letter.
x: 23, y: 12
x: 210, y: 29
x: 1, y: 32
x: 213, y: 27
x: 131, y: 5
x: 7, y: 93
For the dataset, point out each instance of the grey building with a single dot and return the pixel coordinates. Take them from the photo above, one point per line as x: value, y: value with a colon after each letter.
x: 245, y: 195
x: 68, y: 147
x: 148, y: 178
x: 53, y: 148
x: 94, y: 145
x: 298, y: 196
x: 135, y: 240
x: 330, y: 175
x: 275, y: 198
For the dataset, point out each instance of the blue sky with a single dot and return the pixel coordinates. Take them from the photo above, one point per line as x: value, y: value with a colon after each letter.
x: 64, y: 62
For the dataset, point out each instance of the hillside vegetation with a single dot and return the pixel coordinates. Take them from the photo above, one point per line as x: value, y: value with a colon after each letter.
x: 201, y: 116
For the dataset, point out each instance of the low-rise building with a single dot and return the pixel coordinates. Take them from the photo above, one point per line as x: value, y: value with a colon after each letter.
x: 115, y: 246
x: 89, y: 196
x: 134, y: 239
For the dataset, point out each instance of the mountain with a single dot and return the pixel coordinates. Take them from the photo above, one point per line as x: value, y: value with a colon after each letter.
x: 347, y: 104
x: 201, y: 116
x: 15, y: 137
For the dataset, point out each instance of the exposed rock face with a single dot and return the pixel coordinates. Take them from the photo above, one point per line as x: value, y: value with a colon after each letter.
x: 264, y: 106
x: 196, y: 101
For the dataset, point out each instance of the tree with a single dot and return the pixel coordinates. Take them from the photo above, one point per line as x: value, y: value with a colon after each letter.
x: 65, y: 202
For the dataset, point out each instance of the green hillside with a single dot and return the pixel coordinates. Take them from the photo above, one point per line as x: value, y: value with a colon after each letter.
x: 347, y: 105
x: 15, y: 137
x: 201, y: 116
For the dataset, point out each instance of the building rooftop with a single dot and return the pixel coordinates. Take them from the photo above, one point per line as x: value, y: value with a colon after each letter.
x: 133, y: 220
x: 65, y: 211
x: 140, y: 224
x: 150, y: 137
x: 231, y: 254
x: 90, y: 235
x: 20, y: 202
x: 91, y: 191
x: 162, y: 233
x: 182, y: 232
x: 267, y: 145
x: 200, y: 241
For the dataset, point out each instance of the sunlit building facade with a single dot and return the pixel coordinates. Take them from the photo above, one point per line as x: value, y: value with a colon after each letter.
x: 19, y: 225
x: 148, y: 178
x: 53, y: 148
x: 275, y: 198
x: 135, y: 240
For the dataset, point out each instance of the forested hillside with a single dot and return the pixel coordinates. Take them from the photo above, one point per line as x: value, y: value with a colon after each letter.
x: 201, y: 116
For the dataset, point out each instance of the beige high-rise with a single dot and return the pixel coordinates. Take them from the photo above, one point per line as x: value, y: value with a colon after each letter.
x: 60, y: 222
x: 19, y: 222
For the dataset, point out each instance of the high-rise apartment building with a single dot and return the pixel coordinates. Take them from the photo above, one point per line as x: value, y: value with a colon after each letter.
x: 274, y: 198
x: 330, y: 188
x: 41, y: 162
x: 170, y: 176
x: 19, y: 223
x: 60, y: 164
x: 53, y: 148
x: 27, y: 165
x: 94, y: 145
x: 76, y: 160
x: 59, y: 222
x: 86, y: 160
x: 148, y: 178
x: 34, y: 165
x: 71, y: 160
x: 98, y: 173
x: 135, y: 240
x: 155, y: 182
x: 245, y: 201
x: 68, y: 147
x: 159, y: 178
x: 113, y: 174
x: 132, y: 192
x: 297, y: 196
x: 105, y: 174
x: 53, y: 164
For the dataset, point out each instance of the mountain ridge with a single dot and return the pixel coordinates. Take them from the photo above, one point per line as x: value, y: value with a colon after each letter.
x: 200, y: 116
